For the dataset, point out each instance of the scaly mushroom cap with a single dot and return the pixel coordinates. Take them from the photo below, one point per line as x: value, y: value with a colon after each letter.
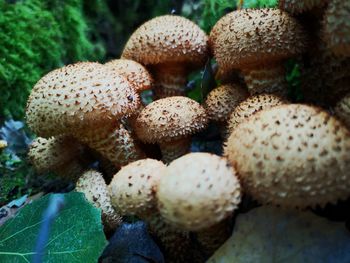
x: 133, y: 188
x: 300, y: 6
x: 249, y: 38
x: 79, y: 97
x: 49, y: 154
x: 342, y: 110
x: 251, y: 106
x: 168, y: 39
x: 134, y: 72
x: 169, y: 119
x: 197, y: 191
x: 92, y: 184
x: 336, y: 24
x: 292, y: 155
x: 221, y: 101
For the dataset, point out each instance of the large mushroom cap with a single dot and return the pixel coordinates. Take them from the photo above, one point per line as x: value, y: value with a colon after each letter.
x: 249, y: 38
x: 221, y: 101
x: 170, y: 118
x: 251, y: 106
x: 168, y: 39
x: 197, y: 191
x: 78, y: 97
x: 135, y: 73
x: 133, y: 188
x: 299, y: 6
x: 292, y: 155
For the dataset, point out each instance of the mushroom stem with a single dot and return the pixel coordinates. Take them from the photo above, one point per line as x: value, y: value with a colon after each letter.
x: 115, y: 144
x: 170, y: 80
x: 171, y: 150
x: 266, y: 79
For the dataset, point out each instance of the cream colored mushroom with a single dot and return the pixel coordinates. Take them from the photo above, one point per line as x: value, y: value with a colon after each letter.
x: 293, y: 156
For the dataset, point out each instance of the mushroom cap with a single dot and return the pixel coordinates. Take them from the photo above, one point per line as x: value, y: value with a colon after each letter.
x: 133, y: 188
x: 134, y: 72
x: 92, y: 184
x: 197, y: 191
x: 49, y: 154
x: 299, y: 6
x: 168, y: 39
x: 79, y: 97
x: 342, y: 110
x: 292, y: 155
x: 169, y: 119
x: 336, y: 27
x: 221, y: 101
x: 251, y: 106
x: 250, y: 38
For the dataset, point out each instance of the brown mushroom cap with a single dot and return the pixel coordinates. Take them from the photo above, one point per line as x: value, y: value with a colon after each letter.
x: 336, y: 24
x: 299, y: 6
x: 92, y: 184
x: 342, y: 110
x: 250, y: 38
x: 197, y: 191
x: 168, y: 39
x: 251, y: 106
x: 49, y: 154
x: 79, y: 97
x: 134, y: 72
x: 221, y: 101
x: 292, y: 155
x: 170, y: 118
x: 133, y: 188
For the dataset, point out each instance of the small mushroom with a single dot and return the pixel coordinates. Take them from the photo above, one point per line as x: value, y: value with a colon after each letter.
x: 170, y: 46
x: 342, y: 110
x: 86, y: 100
x: 336, y: 23
x: 92, y: 184
x: 221, y: 101
x: 257, y: 42
x: 170, y: 122
x: 61, y: 155
x: 300, y: 6
x: 251, y: 106
x: 3, y: 144
x: 133, y: 192
x: 292, y: 155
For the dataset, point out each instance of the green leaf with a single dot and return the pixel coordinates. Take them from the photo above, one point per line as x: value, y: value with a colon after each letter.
x: 269, y: 234
x: 76, y: 235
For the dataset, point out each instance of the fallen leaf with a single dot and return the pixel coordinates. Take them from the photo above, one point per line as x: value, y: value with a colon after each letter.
x: 269, y: 234
x: 76, y: 235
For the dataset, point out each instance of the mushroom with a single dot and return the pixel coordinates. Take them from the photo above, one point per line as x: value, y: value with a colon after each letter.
x: 61, y: 155
x: 86, y: 100
x: 300, y: 6
x: 92, y: 184
x: 134, y: 72
x: 292, y: 155
x: 170, y: 46
x: 336, y: 31
x: 133, y: 192
x: 221, y: 101
x: 251, y: 106
x: 342, y: 110
x: 197, y: 192
x: 257, y: 42
x: 3, y: 144
x: 170, y: 122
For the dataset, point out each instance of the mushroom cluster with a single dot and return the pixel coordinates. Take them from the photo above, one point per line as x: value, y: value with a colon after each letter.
x: 275, y: 151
